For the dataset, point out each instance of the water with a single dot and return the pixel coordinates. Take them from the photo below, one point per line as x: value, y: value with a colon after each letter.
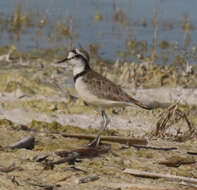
x: 109, y: 35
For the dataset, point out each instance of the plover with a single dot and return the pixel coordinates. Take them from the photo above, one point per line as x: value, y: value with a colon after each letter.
x: 95, y: 89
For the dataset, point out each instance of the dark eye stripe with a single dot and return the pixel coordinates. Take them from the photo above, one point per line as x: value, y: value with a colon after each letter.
x: 74, y: 51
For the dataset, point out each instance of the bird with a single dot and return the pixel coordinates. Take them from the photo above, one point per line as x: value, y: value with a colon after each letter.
x: 97, y: 90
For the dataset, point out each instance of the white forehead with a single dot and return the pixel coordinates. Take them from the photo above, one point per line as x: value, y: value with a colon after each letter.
x: 70, y: 54
x: 83, y: 53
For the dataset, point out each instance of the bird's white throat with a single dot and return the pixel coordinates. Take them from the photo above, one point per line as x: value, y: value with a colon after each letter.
x: 78, y: 69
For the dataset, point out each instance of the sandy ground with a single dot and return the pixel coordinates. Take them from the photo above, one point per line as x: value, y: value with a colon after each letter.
x: 131, y: 120
x: 24, y: 110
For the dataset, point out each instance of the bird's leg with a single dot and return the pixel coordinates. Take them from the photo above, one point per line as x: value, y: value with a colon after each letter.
x: 105, y: 122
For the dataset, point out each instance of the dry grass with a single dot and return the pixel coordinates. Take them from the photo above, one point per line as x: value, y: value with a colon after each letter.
x: 170, y: 117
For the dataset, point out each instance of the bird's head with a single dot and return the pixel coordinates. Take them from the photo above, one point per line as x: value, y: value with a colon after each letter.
x: 76, y: 57
x: 79, y: 59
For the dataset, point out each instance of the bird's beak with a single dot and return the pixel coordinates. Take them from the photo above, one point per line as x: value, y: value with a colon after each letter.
x: 63, y: 60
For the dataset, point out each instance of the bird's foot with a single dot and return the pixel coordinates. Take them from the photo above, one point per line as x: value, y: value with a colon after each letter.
x: 95, y: 142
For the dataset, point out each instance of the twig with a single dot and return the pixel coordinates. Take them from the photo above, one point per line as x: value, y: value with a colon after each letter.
x: 123, y: 140
x: 188, y: 184
x: 158, y: 175
x: 13, y: 180
x: 8, y: 169
x: 118, y: 139
x: 192, y: 153
x: 27, y: 143
x: 154, y: 148
x: 165, y: 117
x: 64, y: 178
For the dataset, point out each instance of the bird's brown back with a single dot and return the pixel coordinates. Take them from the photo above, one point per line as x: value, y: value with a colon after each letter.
x: 105, y: 89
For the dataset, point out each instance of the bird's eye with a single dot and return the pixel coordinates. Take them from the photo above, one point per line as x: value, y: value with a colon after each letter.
x: 74, y: 51
x: 73, y: 57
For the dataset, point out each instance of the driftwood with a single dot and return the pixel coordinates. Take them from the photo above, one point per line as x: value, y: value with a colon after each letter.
x: 87, y: 152
x: 123, y: 140
x: 158, y: 175
x: 71, y: 158
x: 176, y: 161
x: 27, y: 142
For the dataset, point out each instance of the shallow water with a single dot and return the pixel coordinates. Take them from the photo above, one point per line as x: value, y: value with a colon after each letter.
x: 107, y: 33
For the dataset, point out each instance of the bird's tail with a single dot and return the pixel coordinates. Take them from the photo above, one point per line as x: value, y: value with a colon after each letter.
x: 140, y: 104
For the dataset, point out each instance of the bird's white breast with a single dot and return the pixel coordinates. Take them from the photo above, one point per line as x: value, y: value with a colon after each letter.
x: 84, y: 92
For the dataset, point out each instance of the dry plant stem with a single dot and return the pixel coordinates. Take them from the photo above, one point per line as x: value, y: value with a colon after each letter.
x: 64, y: 179
x: 181, y: 114
x: 155, y: 26
x: 164, y: 118
x: 158, y: 175
x: 172, y: 114
x: 123, y: 140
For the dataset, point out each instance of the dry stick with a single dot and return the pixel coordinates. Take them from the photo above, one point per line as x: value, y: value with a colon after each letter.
x: 181, y: 114
x: 164, y: 119
x: 158, y: 175
x: 154, y: 148
x: 123, y: 140
x: 192, y: 153
x: 118, y: 139
x: 172, y: 113
x: 188, y: 184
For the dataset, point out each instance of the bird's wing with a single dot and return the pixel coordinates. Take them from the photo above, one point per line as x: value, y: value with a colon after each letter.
x: 106, y: 89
